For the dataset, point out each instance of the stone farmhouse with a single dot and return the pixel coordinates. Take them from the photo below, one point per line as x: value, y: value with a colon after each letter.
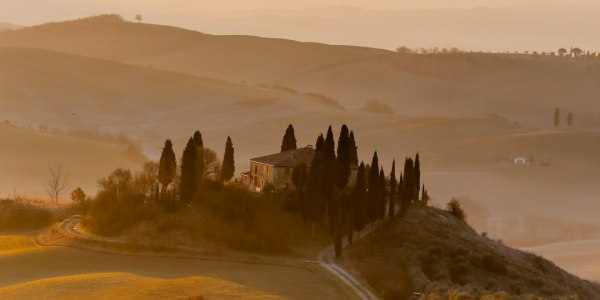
x: 277, y: 169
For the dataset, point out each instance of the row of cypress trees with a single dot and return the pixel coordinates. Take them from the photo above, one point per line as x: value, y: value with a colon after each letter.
x: 192, y: 168
x: 325, y: 196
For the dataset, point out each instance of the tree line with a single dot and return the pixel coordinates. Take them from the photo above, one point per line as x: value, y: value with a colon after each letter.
x: 325, y: 196
x: 198, y: 164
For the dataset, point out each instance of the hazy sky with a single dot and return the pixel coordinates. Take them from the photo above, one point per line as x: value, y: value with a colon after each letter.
x: 28, y: 12
x: 506, y: 25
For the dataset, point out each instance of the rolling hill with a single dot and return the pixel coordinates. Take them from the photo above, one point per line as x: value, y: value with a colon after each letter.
x: 468, y: 114
x: 519, y: 87
x: 5, y: 26
x: 26, y: 155
x: 431, y: 252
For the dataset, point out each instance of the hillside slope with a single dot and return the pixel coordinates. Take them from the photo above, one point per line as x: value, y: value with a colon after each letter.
x: 430, y: 251
x: 26, y: 154
x: 4, y: 26
x: 519, y: 87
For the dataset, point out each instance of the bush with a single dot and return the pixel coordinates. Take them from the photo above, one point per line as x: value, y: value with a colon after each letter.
x: 493, y: 265
x: 454, y: 208
x: 109, y: 216
x: 23, y: 215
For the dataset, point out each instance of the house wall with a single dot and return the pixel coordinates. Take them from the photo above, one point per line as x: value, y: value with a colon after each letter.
x: 260, y: 174
x: 280, y: 177
x: 283, y: 177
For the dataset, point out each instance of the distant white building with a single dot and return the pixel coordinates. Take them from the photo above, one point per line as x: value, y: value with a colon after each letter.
x: 521, y: 161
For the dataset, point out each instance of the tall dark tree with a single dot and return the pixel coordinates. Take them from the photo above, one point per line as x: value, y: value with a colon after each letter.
x: 328, y: 178
x: 408, y: 184
x: 570, y: 119
x: 198, y: 139
x: 424, y: 196
x: 341, y: 201
x: 314, y: 199
x: 393, y: 185
x: 557, y: 117
x: 289, y: 139
x: 361, y: 208
x: 373, y: 190
x: 187, y: 182
x: 382, y: 203
x: 343, y: 161
x: 401, y: 194
x: 417, y: 178
x: 299, y: 179
x: 353, y: 150
x: 228, y: 167
x: 200, y: 154
x: 167, y: 167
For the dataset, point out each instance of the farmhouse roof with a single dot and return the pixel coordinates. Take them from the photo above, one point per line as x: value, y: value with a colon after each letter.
x: 289, y: 158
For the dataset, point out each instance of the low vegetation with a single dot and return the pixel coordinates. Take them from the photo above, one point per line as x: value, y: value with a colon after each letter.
x: 26, y: 214
x: 432, y: 252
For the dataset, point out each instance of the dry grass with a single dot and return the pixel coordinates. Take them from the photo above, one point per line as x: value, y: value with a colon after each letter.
x: 436, y: 253
x: 12, y: 243
x: 127, y: 286
x: 66, y: 273
x: 222, y: 217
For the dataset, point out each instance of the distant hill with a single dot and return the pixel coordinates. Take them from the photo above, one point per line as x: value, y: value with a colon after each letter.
x: 434, y: 253
x: 519, y: 87
x: 27, y: 153
x: 4, y: 26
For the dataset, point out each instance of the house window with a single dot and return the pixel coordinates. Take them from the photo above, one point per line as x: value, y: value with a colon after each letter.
x: 255, y: 169
x: 287, y: 171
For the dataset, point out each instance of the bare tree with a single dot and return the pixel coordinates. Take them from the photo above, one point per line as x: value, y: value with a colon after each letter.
x: 138, y: 18
x: 147, y: 179
x: 58, y: 181
x: 211, y: 168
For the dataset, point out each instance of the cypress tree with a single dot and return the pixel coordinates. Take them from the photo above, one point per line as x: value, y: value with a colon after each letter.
x: 228, y: 167
x: 393, y: 185
x: 313, y: 189
x: 199, y: 158
x: 417, y: 178
x: 187, y: 183
x: 408, y: 185
x: 373, y: 191
x: 289, y: 139
x: 167, y: 168
x: 343, y: 162
x: 329, y: 178
x: 198, y: 139
x: 401, y: 194
x: 424, y: 196
x: 570, y: 119
x: 353, y: 150
x: 556, y: 117
x: 360, y: 208
x: 382, y: 203
x: 342, y: 173
x: 299, y: 179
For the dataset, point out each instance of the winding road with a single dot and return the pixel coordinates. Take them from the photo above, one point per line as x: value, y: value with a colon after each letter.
x: 326, y: 257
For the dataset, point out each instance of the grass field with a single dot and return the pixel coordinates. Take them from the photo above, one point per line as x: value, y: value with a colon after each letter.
x: 65, y: 273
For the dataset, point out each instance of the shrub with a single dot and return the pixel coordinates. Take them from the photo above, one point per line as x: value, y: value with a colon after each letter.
x: 111, y: 216
x: 268, y: 188
x: 454, y: 208
x: 22, y: 215
x: 492, y: 264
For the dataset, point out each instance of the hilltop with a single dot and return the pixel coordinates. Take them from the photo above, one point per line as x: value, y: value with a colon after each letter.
x: 433, y: 252
x: 521, y: 87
